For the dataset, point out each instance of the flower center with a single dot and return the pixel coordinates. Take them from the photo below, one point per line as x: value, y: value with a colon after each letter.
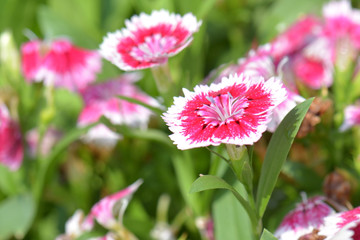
x: 223, y: 109
x: 155, y: 46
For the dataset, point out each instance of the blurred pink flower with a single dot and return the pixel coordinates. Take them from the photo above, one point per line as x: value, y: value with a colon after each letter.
x: 148, y: 40
x: 74, y: 227
x: 342, y: 226
x: 101, y: 100
x: 295, y: 37
x: 313, y: 65
x: 234, y: 111
x: 352, y: 117
x: 307, y: 216
x: 109, y: 211
x: 342, y: 30
x: 11, y: 148
x: 59, y: 63
x: 50, y: 138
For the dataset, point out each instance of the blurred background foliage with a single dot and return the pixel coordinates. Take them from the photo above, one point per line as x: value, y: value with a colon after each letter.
x: 83, y: 173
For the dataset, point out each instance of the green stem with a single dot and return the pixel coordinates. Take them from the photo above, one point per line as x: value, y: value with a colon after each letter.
x: 162, y: 77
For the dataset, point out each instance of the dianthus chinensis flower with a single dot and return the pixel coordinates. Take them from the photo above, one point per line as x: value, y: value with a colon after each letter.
x: 234, y: 111
x: 59, y: 63
x: 101, y: 100
x: 11, y: 148
x: 148, y: 40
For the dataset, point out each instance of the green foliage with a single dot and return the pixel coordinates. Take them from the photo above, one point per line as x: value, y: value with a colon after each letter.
x: 277, y: 152
x: 17, y: 214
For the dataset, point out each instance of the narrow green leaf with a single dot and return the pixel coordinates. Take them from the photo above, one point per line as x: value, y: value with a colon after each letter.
x: 277, y: 152
x: 185, y: 174
x: 208, y: 182
x: 158, y: 110
x: 50, y: 160
x: 266, y: 235
x: 17, y: 214
x: 148, y: 134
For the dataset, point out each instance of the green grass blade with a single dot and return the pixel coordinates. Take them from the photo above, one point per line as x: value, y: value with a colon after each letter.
x: 277, y: 152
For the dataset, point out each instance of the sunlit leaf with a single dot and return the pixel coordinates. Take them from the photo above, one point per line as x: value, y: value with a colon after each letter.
x: 277, y: 152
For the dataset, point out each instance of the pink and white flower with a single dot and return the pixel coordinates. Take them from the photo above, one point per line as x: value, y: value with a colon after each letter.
x: 342, y: 224
x: 295, y: 37
x: 109, y: 211
x: 50, y: 137
x: 149, y: 40
x: 11, y: 148
x: 342, y: 29
x: 235, y: 111
x: 313, y: 66
x: 306, y: 217
x: 101, y: 100
x: 75, y: 227
x: 352, y: 117
x: 59, y: 63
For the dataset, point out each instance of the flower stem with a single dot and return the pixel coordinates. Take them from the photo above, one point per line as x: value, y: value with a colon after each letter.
x: 162, y: 77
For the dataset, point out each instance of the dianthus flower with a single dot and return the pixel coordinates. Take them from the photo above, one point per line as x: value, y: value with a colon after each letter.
x: 260, y: 63
x: 11, y: 148
x: 109, y: 211
x: 295, y: 37
x: 306, y: 217
x: 234, y: 111
x: 342, y: 30
x: 59, y: 63
x: 342, y: 226
x: 101, y: 100
x: 352, y: 117
x: 149, y: 40
x: 313, y: 66
x: 74, y: 227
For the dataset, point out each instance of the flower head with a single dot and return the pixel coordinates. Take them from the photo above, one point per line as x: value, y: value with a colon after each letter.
x: 11, y: 148
x: 352, y: 117
x: 235, y: 111
x: 101, y: 100
x: 306, y: 217
x: 59, y: 63
x: 338, y: 224
x: 295, y: 37
x: 109, y: 211
x: 74, y: 227
x: 148, y: 40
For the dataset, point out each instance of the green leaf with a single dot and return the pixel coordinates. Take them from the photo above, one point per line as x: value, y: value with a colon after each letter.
x: 277, y: 152
x: 185, y: 174
x: 230, y: 219
x: 51, y: 160
x: 17, y: 214
x: 148, y: 134
x: 208, y: 182
x: 266, y: 235
x: 158, y: 110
